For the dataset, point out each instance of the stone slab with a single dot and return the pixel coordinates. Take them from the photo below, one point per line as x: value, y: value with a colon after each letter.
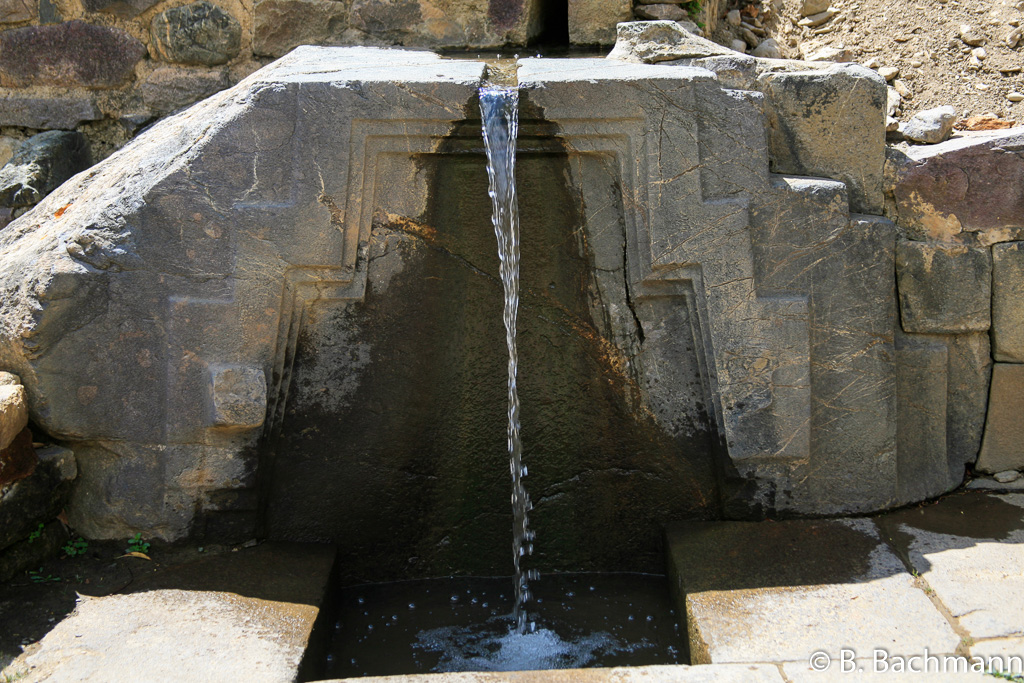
x: 867, y: 671
x: 969, y: 549
x: 781, y: 591
x: 44, y: 113
x: 968, y: 184
x: 169, y: 88
x: 245, y: 616
x: 830, y: 123
x: 1008, y: 302
x: 1002, y: 447
x: 943, y: 288
x: 718, y: 673
x: 73, y: 53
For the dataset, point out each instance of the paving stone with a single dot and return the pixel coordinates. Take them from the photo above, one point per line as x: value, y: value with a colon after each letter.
x: 943, y: 288
x: 969, y: 549
x: 200, y: 34
x: 781, y: 591
x: 990, y: 484
x: 245, y: 616
x: 1002, y: 447
x: 13, y: 11
x: 44, y: 113
x: 1003, y: 647
x: 70, y: 54
x: 1008, y: 302
x: 867, y: 671
x: 593, y: 22
x: 716, y: 673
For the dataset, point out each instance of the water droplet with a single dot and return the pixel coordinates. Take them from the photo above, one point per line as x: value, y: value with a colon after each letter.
x: 412, y: 605
x: 362, y: 600
x: 650, y: 618
x: 455, y: 598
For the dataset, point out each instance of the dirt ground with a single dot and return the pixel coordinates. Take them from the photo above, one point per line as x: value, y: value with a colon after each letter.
x: 922, y: 39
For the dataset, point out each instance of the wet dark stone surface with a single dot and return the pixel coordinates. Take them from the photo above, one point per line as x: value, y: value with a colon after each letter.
x: 70, y: 54
x: 393, y: 442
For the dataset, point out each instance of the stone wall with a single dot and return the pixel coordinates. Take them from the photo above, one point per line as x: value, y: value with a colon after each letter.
x: 960, y: 209
x: 238, y: 317
x: 108, y: 67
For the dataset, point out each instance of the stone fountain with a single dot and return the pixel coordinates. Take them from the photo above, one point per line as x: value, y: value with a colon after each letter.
x: 275, y: 313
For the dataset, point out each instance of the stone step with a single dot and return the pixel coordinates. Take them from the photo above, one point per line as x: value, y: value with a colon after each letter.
x: 240, y: 616
x: 784, y: 591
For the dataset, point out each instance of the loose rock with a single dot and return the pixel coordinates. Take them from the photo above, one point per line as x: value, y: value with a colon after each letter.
x: 733, y: 18
x: 768, y: 49
x: 811, y: 7
x: 662, y: 12
x: 931, y: 125
x: 819, y: 18
x: 893, y: 101
x: 1015, y: 96
x: 888, y: 72
x: 659, y: 41
x: 971, y: 36
x: 199, y: 34
x: 830, y: 54
x: 1006, y: 476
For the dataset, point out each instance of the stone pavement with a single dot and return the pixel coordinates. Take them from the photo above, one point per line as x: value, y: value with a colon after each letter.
x: 942, y: 580
x: 937, y: 587
x: 245, y: 616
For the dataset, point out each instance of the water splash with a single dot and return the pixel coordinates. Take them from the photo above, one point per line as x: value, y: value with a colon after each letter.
x: 499, y: 110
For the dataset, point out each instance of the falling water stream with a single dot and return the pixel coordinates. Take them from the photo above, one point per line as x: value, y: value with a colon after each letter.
x: 461, y: 624
x: 499, y: 110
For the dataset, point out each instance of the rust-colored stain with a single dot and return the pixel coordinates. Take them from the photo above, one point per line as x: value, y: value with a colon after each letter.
x: 60, y: 212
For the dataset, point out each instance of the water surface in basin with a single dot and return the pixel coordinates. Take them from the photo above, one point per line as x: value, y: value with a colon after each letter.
x: 465, y: 624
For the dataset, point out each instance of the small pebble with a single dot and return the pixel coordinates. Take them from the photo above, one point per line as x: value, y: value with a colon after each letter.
x: 1007, y: 476
x: 1015, y: 96
x: 979, y: 52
